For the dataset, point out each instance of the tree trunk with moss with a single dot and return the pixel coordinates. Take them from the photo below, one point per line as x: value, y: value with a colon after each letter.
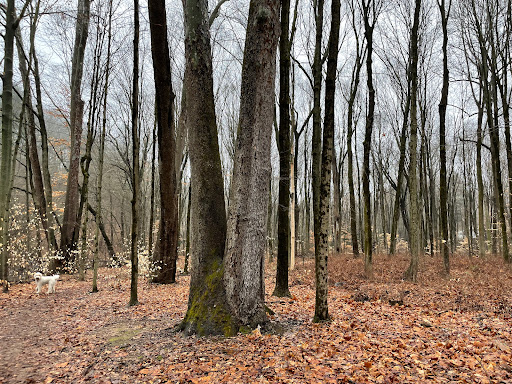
x: 247, y: 219
x: 165, y: 256
x: 207, y: 311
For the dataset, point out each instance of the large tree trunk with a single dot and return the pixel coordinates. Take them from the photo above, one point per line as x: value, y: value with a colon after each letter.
x: 207, y: 311
x: 415, y: 224
x: 247, y: 218
x: 69, y: 222
x: 321, y: 273
x: 283, y: 207
x: 165, y: 256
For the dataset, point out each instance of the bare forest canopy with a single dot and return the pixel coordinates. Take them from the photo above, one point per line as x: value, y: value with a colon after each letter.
x: 233, y: 134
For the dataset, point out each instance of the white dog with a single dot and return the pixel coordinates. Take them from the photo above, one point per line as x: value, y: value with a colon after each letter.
x: 42, y: 280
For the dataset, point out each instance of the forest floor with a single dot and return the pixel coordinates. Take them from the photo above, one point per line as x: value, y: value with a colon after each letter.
x: 456, y: 330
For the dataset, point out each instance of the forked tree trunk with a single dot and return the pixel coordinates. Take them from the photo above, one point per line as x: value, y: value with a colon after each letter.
x: 247, y: 218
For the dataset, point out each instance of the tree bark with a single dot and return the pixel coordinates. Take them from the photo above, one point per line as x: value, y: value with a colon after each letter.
x: 321, y: 254
x: 247, y: 218
x: 443, y: 187
x: 316, y: 145
x: 69, y: 222
x: 164, y: 260
x: 7, y: 119
x: 207, y: 311
x: 283, y: 207
x: 369, y: 25
x: 415, y: 224
x: 134, y: 258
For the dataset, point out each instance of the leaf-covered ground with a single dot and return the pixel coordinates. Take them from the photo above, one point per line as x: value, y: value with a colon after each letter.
x: 456, y: 330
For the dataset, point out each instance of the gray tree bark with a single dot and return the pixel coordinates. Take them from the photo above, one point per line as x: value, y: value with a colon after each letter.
x: 247, y: 218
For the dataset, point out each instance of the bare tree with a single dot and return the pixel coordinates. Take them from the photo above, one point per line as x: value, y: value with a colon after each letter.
x: 370, y: 10
x: 70, y: 219
x: 134, y: 258
x: 443, y: 187
x: 415, y: 225
x: 321, y: 273
x: 166, y: 254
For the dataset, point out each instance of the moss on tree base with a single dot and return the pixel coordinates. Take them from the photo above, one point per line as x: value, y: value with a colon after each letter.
x: 208, y: 313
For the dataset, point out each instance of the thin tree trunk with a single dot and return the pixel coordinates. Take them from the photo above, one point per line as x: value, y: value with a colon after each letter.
x: 101, y: 155
x: 134, y: 258
x: 283, y: 207
x: 34, y: 164
x: 321, y: 254
x: 368, y: 27
x: 354, y: 86
x: 316, y: 146
x: 443, y: 187
x: 414, y: 230
x: 152, y: 195
x: 44, y: 137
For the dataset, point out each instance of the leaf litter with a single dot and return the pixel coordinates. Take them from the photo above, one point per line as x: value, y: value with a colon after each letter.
x: 440, y: 330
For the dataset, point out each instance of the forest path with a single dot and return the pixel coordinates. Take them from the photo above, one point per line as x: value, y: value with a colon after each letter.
x: 45, y: 337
